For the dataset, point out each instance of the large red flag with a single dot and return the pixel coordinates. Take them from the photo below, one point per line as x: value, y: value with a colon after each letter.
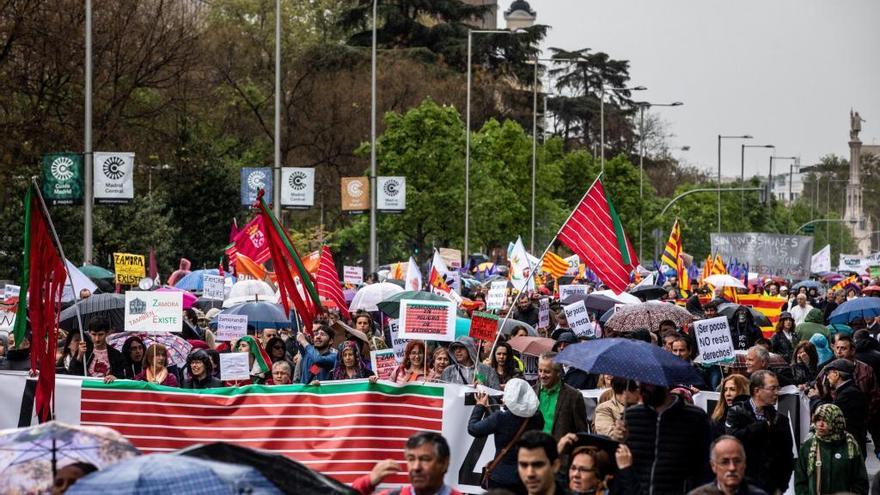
x: 43, y: 273
x: 249, y: 241
x: 327, y: 282
x: 595, y: 234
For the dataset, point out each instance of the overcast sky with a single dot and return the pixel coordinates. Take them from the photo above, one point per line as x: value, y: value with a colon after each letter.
x: 785, y: 71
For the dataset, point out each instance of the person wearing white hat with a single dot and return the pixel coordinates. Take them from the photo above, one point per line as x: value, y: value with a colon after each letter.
x: 518, y: 415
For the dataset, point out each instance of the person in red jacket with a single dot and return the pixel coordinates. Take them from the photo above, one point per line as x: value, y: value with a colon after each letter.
x: 427, y: 459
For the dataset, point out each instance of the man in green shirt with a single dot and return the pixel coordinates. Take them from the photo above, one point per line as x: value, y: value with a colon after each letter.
x: 561, y: 405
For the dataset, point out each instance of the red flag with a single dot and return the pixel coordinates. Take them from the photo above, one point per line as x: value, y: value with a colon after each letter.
x: 328, y: 282
x: 42, y: 281
x: 288, y: 267
x: 594, y: 232
x: 250, y: 241
x: 154, y: 267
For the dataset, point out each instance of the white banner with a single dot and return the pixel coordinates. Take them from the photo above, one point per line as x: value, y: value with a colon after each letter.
x: 571, y: 290
x: 234, y: 366
x: 230, y: 328
x: 858, y: 263
x: 214, y: 287
x: 11, y: 291
x: 822, y: 260
x: 427, y: 320
x: 713, y: 340
x: 297, y: 187
x: 497, y: 294
x: 353, y: 274
x: 113, y: 175
x: 579, y: 319
x: 391, y: 193
x: 153, y: 311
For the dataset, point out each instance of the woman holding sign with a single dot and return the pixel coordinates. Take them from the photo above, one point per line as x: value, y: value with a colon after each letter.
x: 413, y: 367
x: 155, y: 370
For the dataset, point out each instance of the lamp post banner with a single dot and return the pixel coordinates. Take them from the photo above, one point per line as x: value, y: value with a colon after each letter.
x: 252, y: 180
x: 62, y: 178
x: 113, y: 177
x: 788, y: 256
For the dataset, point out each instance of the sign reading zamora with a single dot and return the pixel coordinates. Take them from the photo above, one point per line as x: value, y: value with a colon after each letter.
x: 130, y: 268
x: 786, y: 256
x: 62, y: 178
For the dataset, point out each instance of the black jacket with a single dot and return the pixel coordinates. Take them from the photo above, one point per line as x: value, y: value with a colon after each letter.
x: 530, y: 315
x: 504, y: 425
x: 854, y: 405
x: 868, y: 352
x: 780, y: 344
x: 117, y: 363
x: 579, y: 379
x: 670, y: 452
x: 768, y: 444
x: 209, y: 382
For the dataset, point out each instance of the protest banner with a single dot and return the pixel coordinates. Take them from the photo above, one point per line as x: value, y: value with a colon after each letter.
x: 129, y: 268
x: 579, y: 319
x: 497, y: 295
x: 397, y: 343
x: 234, y: 366
x: 787, y: 256
x: 713, y: 340
x: 484, y: 326
x: 153, y: 311
x: 427, y: 320
x: 821, y: 261
x: 573, y: 290
x: 857, y: 263
x: 574, y: 263
x: 11, y: 291
x: 277, y: 418
x: 353, y: 275
x: 230, y: 328
x: 391, y: 194
x: 452, y: 257
x: 544, y: 312
x: 214, y: 287
x: 530, y: 367
x: 384, y: 362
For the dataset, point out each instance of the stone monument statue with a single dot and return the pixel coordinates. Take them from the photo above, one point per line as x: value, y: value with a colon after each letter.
x: 855, y: 125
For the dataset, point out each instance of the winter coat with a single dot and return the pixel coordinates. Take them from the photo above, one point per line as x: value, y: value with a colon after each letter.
x: 839, y: 473
x: 504, y: 425
x: 210, y: 381
x: 854, y: 405
x: 117, y: 363
x: 745, y: 334
x: 457, y: 373
x: 780, y: 344
x: 670, y: 450
x: 768, y: 444
x: 571, y: 411
x: 868, y: 351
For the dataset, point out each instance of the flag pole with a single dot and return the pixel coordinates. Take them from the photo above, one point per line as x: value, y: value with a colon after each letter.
x: 546, y: 250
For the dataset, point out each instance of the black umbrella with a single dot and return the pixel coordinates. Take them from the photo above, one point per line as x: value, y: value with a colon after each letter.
x: 110, y: 306
x: 596, y: 303
x: 288, y: 475
x: 204, y: 304
x: 648, y: 292
x: 729, y: 309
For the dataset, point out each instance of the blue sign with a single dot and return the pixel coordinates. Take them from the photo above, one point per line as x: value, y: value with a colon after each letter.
x: 252, y: 180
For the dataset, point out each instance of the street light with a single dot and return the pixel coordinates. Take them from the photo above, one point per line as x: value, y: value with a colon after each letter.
x: 770, y: 178
x: 467, y: 132
x: 642, y: 105
x: 720, y: 137
x: 742, y: 169
x: 373, y: 255
x: 276, y: 167
x: 602, y: 116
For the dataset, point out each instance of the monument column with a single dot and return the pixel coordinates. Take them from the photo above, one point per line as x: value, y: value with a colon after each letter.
x: 854, y: 215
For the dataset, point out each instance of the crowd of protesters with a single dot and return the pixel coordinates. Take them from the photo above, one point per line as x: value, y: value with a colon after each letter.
x: 639, y: 438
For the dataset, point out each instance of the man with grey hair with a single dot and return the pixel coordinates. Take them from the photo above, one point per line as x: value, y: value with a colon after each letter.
x: 728, y: 461
x: 800, y: 309
x: 281, y: 373
x: 758, y: 358
x: 561, y: 405
x: 765, y: 434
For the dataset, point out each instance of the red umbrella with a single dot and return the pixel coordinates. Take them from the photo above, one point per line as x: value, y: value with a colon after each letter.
x: 871, y: 290
x: 533, y: 346
x: 189, y: 299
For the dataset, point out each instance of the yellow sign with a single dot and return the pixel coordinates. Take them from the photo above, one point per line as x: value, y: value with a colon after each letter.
x: 130, y: 268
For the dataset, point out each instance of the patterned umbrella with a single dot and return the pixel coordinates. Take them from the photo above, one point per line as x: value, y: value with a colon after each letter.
x: 110, y: 306
x: 178, y: 347
x: 26, y: 454
x: 648, y: 316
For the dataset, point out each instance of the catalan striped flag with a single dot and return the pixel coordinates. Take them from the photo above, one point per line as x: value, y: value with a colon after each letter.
x: 554, y: 265
x: 843, y: 283
x: 718, y: 267
x: 672, y: 252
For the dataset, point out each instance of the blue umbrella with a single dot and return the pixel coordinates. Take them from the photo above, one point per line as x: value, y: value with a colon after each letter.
x: 161, y: 474
x: 809, y: 284
x: 862, y: 307
x: 631, y: 359
x: 195, y: 281
x: 260, y: 314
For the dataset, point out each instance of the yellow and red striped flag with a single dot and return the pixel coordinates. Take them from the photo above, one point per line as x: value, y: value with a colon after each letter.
x: 554, y: 265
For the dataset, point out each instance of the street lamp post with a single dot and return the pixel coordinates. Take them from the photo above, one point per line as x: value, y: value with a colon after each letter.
x: 742, y: 169
x: 276, y: 168
x: 770, y: 178
x: 720, y: 137
x: 373, y: 255
x: 467, y: 135
x: 602, y: 117
x: 642, y: 106
x: 87, y: 141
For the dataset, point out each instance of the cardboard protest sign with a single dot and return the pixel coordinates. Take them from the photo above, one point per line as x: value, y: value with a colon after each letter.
x: 231, y: 327
x: 427, y: 320
x: 152, y: 311
x: 713, y: 340
x: 579, y: 319
x: 484, y: 326
x: 234, y: 366
x: 214, y: 286
x: 384, y: 363
x: 353, y: 274
x: 397, y: 343
x: 497, y: 294
x: 571, y: 290
x: 11, y: 291
x: 129, y: 268
x: 544, y: 313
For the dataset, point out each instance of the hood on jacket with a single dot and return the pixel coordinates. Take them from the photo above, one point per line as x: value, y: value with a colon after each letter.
x: 821, y: 344
x: 467, y: 343
x: 184, y: 265
x: 815, y: 316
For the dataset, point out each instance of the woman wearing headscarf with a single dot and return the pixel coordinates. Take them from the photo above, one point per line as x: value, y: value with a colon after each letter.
x: 200, y: 370
x: 822, y: 350
x: 413, y: 367
x: 830, y: 461
x: 440, y: 362
x: 258, y: 361
x: 155, y: 367
x: 519, y: 414
x: 349, y: 365
x: 133, y: 356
